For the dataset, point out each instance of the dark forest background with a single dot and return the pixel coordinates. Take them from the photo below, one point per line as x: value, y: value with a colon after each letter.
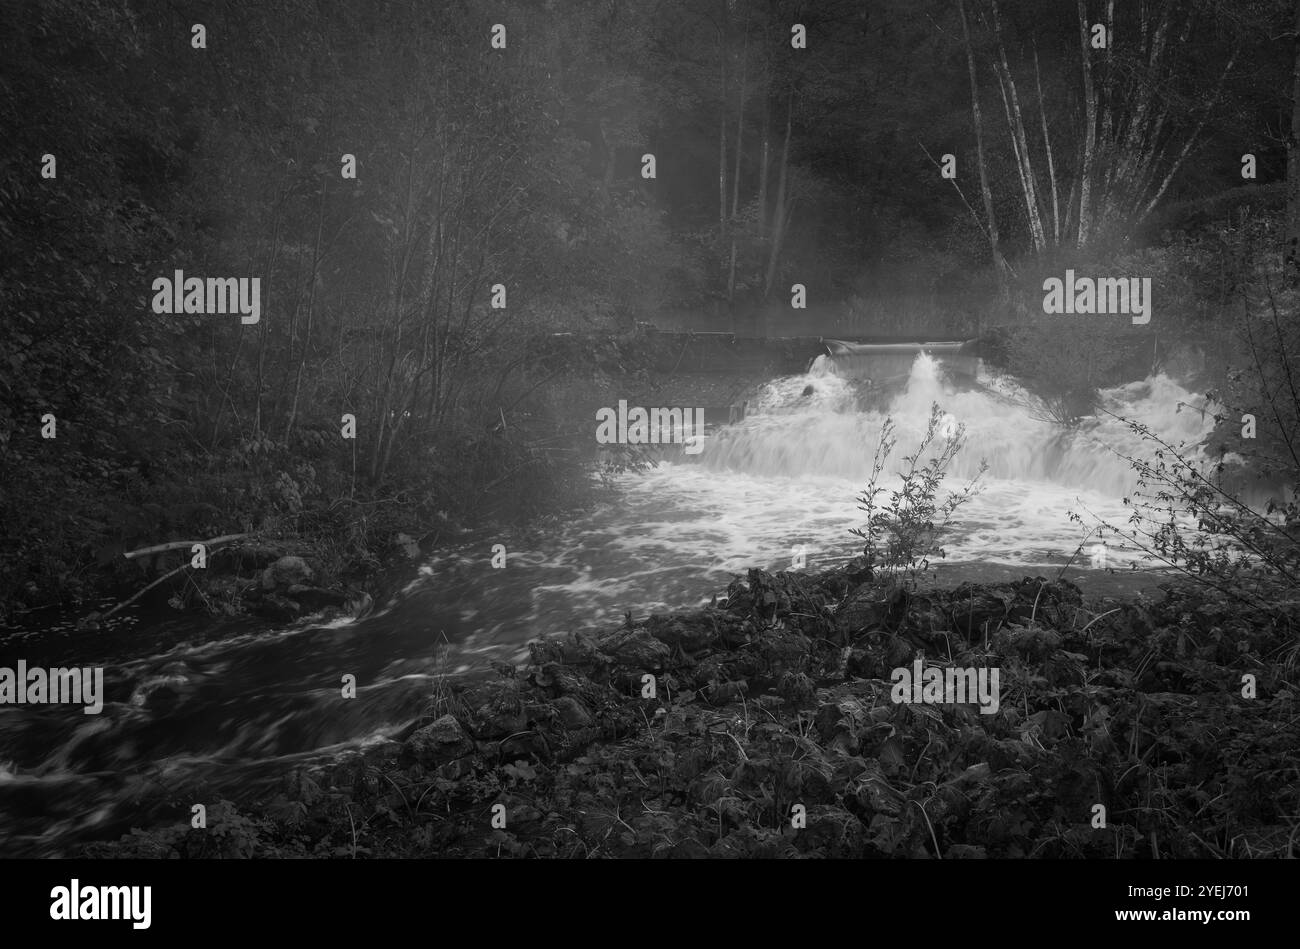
x: 522, y: 166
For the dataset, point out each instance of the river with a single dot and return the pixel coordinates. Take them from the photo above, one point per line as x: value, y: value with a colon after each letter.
x: 199, y: 708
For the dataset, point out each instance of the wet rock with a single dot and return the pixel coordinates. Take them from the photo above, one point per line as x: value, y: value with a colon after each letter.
x: 572, y: 712
x: 867, y: 607
x: 574, y: 651
x: 313, y: 599
x: 858, y: 570
x: 636, y: 649
x: 165, y: 691
x: 382, y: 752
x: 359, y: 604
x: 286, y: 572
x: 689, y: 633
x: 493, y: 709
x: 975, y: 610
x: 278, y: 609
x: 556, y: 679
x: 436, y: 744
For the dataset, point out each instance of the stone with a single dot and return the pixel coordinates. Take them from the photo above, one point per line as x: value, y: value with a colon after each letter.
x: 572, y: 712
x: 636, y: 649
x: 314, y: 598
x: 286, y: 572
x: 437, y: 743
x: 277, y: 608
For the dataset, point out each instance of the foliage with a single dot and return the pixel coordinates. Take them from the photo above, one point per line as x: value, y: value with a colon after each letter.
x: 905, y: 533
x: 1136, y: 707
x: 1195, y: 508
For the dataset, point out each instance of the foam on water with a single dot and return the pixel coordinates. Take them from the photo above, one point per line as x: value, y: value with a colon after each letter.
x: 225, y: 707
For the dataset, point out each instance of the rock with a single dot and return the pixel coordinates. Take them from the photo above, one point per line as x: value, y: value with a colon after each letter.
x: 493, y: 709
x: 277, y: 608
x: 637, y: 649
x: 975, y: 609
x: 691, y: 634
x: 359, y: 604
x: 382, y: 752
x: 436, y: 744
x: 858, y: 570
x: 165, y: 691
x: 314, y: 598
x: 286, y: 572
x: 867, y: 607
x: 572, y: 712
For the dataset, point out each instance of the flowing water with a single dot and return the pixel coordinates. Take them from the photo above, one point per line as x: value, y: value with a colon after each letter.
x: 202, y: 709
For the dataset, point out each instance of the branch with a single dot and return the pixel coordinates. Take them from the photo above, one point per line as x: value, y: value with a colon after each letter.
x: 177, y: 544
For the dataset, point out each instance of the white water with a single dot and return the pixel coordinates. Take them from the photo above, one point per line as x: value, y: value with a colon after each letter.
x: 790, y: 474
x: 217, y: 709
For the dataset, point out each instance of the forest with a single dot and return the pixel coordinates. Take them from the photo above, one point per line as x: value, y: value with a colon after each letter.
x: 339, y: 290
x: 780, y: 158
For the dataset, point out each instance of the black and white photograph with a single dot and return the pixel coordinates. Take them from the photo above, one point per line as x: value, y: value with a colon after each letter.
x: 635, y: 430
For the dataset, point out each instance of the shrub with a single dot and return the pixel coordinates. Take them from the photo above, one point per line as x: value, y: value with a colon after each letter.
x: 903, y: 535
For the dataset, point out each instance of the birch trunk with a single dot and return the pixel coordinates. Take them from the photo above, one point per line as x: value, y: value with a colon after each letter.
x: 1024, y: 162
x: 1089, y: 132
x: 985, y: 191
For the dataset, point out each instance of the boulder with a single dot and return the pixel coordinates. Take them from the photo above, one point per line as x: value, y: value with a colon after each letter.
x: 286, y: 572
x: 689, y: 633
x: 313, y: 599
x: 278, y: 609
x: 437, y: 743
x: 572, y: 712
x: 867, y: 607
x: 636, y: 649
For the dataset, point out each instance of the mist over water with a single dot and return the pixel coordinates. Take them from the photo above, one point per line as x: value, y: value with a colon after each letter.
x: 201, y: 708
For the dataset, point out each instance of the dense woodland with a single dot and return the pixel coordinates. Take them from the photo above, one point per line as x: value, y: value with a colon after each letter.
x: 792, y: 142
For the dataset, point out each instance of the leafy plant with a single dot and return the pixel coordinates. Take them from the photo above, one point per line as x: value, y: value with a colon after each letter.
x: 904, y: 534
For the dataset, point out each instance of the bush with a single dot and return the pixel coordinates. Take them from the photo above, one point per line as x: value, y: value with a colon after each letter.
x: 902, y: 536
x: 1191, y: 511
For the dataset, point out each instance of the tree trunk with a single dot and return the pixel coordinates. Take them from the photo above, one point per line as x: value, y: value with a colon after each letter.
x: 764, y: 163
x: 1089, y: 132
x: 740, y: 131
x: 782, y: 211
x: 722, y: 125
x: 311, y: 302
x: 987, y: 193
x: 1019, y: 141
x: 1051, y: 164
x: 1292, y: 253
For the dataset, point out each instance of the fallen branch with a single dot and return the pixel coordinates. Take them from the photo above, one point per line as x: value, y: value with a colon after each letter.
x: 165, y: 576
x: 177, y: 544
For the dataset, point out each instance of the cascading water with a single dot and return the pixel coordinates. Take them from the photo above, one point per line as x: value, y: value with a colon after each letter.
x: 815, y: 425
x: 200, y: 708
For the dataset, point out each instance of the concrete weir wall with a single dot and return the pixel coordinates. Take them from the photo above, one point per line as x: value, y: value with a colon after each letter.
x: 720, y: 372
x: 725, y: 352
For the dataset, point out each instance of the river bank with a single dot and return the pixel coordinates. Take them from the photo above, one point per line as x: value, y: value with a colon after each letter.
x: 770, y: 728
